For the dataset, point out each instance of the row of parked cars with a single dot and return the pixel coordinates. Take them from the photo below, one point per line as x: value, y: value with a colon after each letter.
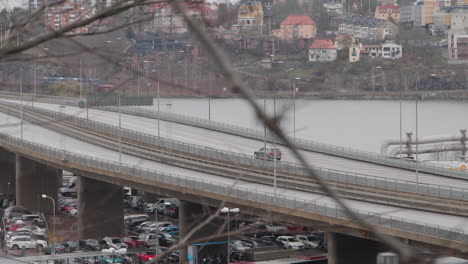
x: 24, y: 229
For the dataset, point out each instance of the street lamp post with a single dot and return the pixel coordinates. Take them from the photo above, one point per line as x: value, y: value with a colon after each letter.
x: 120, y: 132
x: 53, y: 211
x: 294, y: 108
x: 228, y: 211
x: 21, y: 99
x: 159, y: 117
x: 274, y: 148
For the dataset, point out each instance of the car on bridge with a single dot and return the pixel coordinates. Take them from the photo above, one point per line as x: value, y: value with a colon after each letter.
x: 268, y: 153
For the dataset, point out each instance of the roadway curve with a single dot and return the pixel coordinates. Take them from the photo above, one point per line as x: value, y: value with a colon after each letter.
x: 11, y: 125
x: 228, y: 142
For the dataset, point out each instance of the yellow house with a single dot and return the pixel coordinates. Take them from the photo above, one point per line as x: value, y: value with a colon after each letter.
x: 296, y: 27
x: 250, y: 14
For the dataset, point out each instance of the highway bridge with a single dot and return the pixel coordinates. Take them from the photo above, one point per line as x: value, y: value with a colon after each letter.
x: 219, y: 167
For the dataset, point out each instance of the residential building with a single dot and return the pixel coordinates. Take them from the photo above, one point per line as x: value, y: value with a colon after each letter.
x: 458, y: 37
x: 35, y: 4
x: 424, y: 11
x: 344, y: 41
x: 296, y: 27
x: 407, y: 13
x: 387, y: 2
x: 368, y: 28
x: 387, y: 50
x: 388, y: 11
x: 334, y: 7
x: 354, y: 53
x: 322, y: 50
x: 250, y: 14
x: 166, y: 19
x: 60, y: 15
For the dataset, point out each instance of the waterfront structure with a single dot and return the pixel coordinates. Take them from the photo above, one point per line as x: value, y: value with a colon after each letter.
x: 322, y: 50
x: 296, y: 27
x: 388, y: 11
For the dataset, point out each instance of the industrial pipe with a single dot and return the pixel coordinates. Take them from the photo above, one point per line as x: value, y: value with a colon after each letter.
x: 428, y: 149
x: 421, y: 140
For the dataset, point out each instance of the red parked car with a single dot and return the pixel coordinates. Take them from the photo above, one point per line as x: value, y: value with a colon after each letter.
x: 13, y: 227
x: 138, y: 242
x: 129, y: 242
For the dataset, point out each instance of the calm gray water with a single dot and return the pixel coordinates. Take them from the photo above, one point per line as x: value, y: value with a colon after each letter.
x: 357, y: 124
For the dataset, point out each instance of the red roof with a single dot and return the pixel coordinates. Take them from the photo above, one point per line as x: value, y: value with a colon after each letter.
x: 322, y: 44
x: 298, y: 20
x: 385, y: 8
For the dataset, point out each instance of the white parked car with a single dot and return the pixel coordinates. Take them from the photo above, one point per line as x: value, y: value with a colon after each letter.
x: 290, y: 242
x: 26, y: 242
x: 309, y: 241
x: 115, y: 242
x: 151, y: 228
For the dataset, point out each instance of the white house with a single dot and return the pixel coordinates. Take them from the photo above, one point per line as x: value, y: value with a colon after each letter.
x: 322, y: 50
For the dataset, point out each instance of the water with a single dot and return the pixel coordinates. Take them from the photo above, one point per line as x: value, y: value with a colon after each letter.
x: 359, y: 124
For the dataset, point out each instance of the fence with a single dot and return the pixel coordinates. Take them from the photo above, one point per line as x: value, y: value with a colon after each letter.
x: 249, y: 161
x: 311, y: 206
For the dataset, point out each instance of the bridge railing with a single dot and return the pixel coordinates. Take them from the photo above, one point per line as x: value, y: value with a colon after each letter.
x: 259, y: 135
x: 301, y: 143
x: 234, y: 191
x: 42, y: 98
x: 249, y: 161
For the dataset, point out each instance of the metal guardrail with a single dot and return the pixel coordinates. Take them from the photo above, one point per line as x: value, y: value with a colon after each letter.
x: 42, y: 98
x: 300, y: 143
x: 249, y: 161
x: 259, y: 135
x: 310, y: 206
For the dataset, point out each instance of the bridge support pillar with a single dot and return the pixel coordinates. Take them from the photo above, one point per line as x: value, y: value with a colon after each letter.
x: 100, y: 209
x: 344, y: 249
x: 7, y: 177
x: 34, y: 179
x: 190, y: 216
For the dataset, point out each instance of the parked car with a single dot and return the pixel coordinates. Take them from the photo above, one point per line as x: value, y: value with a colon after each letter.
x: 134, y: 220
x: 276, y: 229
x: 269, y: 153
x: 95, y: 244
x: 257, y: 230
x: 169, y: 229
x: 19, y: 232
x: 238, y: 246
x: 171, y: 210
x: 252, y: 243
x: 115, y: 242
x: 309, y: 241
x: 290, y: 242
x: 157, y: 225
x: 142, y: 225
x: 15, y: 211
x: 270, y: 241
x: 26, y: 242
x: 138, y: 242
x: 129, y: 242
